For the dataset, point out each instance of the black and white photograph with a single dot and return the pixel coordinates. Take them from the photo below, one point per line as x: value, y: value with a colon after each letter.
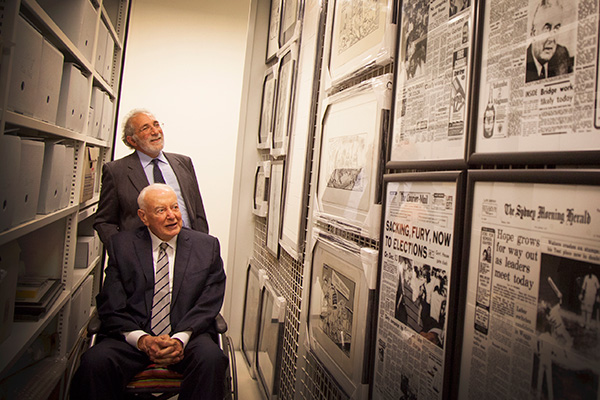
x: 265, y: 128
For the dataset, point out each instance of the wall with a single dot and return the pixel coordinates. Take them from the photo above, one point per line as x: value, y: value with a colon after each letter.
x: 185, y: 62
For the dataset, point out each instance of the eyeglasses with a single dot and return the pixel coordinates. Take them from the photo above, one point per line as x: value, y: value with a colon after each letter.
x: 146, y: 127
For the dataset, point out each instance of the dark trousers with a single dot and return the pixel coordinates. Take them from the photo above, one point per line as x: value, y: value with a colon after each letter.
x: 108, y: 366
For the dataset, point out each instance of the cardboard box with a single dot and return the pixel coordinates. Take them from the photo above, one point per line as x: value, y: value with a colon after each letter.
x: 46, y: 104
x: 90, y: 173
x: 30, y: 177
x: 53, y: 176
x: 81, y: 304
x: 85, y: 251
x: 74, y: 99
x: 10, y: 156
x: 67, y: 168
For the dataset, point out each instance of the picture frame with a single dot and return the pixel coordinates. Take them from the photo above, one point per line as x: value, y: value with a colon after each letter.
x: 302, y: 131
x: 270, y: 340
x: 267, y: 109
x: 260, y: 200
x: 289, y: 22
x: 542, y: 228
x: 552, y: 118
x: 284, y: 99
x: 363, y: 36
x: 276, y: 191
x: 352, y: 127
x: 433, y: 85
x: 273, y: 34
x: 341, y: 305
x: 417, y: 284
x: 255, y: 279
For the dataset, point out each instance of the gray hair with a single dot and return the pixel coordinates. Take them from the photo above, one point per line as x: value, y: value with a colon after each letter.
x: 128, y: 129
x: 141, y: 200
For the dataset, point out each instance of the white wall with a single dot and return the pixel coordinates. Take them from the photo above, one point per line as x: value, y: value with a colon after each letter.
x: 185, y: 62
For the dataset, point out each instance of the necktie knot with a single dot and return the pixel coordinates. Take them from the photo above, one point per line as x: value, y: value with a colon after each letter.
x: 163, y: 246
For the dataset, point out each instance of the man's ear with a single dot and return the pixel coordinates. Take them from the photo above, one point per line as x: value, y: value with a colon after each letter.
x: 142, y: 214
x: 131, y: 141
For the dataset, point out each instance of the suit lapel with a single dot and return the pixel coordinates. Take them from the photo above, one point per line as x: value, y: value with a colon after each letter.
x: 136, y: 173
x: 182, y: 258
x: 143, y: 249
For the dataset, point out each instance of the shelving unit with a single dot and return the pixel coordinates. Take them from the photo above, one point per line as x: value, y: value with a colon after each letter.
x: 48, y: 242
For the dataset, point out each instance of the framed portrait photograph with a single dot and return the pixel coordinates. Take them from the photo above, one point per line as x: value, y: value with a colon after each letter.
x: 353, y: 125
x: 286, y: 78
x: 273, y: 38
x: 260, y: 201
x: 274, y: 211
x: 289, y: 23
x: 418, y: 275
x: 339, y: 319
x: 267, y: 108
x: 528, y: 311
x: 255, y: 279
x: 363, y: 36
x: 432, y: 92
x: 537, y: 101
x: 270, y: 340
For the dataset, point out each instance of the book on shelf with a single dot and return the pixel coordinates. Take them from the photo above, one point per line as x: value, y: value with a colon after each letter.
x: 28, y: 310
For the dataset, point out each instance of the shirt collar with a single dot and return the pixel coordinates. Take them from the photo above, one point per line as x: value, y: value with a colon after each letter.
x: 156, y: 241
x: 145, y: 159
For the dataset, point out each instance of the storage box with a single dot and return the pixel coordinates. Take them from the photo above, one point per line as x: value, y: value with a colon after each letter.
x: 74, y: 99
x: 9, y: 267
x: 90, y: 172
x: 100, y: 60
x: 25, y: 77
x: 30, y: 177
x: 53, y: 176
x: 95, y: 121
x: 85, y: 251
x: 67, y: 169
x: 109, y: 56
x: 81, y: 304
x: 107, y: 118
x: 46, y: 104
x: 10, y: 157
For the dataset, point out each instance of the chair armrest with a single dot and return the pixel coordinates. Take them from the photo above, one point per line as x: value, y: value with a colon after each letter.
x: 220, y: 324
x: 94, y: 325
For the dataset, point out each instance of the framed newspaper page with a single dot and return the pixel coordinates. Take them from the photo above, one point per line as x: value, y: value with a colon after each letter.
x: 340, y: 316
x: 289, y: 22
x: 284, y: 101
x: 255, y: 279
x: 260, y: 201
x: 433, y: 85
x: 418, y: 280
x: 274, y: 212
x: 538, y: 77
x: 273, y: 39
x: 270, y: 340
x: 363, y: 36
x: 529, y: 292
x: 267, y: 108
x: 353, y: 127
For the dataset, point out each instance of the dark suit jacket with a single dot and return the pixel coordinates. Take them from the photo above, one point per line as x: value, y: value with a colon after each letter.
x: 125, y: 301
x: 560, y: 63
x: 122, y: 181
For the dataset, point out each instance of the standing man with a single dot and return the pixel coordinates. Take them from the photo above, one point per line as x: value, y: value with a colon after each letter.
x: 545, y: 57
x: 164, y: 287
x: 123, y: 179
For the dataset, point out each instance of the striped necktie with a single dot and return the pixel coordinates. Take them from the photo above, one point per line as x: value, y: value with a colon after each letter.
x: 161, y: 302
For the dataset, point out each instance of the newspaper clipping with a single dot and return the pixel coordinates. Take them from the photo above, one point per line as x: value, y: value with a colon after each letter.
x: 538, y: 76
x: 532, y: 315
x: 431, y: 94
x: 414, y: 288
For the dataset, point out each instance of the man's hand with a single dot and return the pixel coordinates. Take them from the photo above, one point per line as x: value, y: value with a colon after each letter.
x: 162, y: 349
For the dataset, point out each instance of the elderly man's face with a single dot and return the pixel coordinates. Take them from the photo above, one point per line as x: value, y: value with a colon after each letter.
x: 161, y: 213
x: 546, y: 24
x: 148, y: 135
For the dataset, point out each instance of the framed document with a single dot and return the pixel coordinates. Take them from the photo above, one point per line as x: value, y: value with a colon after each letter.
x: 273, y: 39
x: 529, y: 296
x: 340, y: 300
x: 538, y: 78
x: 289, y: 22
x: 260, y: 202
x: 353, y: 126
x: 433, y: 73
x: 255, y: 279
x: 418, y: 273
x: 274, y: 214
x: 265, y: 128
x: 270, y: 340
x: 284, y: 101
x: 363, y: 36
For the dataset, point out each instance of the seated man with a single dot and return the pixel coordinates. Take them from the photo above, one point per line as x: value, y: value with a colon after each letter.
x: 171, y: 324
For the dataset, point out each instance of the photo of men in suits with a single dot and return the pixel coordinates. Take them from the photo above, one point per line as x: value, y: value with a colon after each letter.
x: 123, y: 179
x: 545, y: 56
x: 163, y: 289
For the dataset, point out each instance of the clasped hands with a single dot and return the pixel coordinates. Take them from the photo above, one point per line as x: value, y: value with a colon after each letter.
x: 162, y: 350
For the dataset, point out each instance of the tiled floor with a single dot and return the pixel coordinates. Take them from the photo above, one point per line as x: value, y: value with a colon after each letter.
x: 247, y: 387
